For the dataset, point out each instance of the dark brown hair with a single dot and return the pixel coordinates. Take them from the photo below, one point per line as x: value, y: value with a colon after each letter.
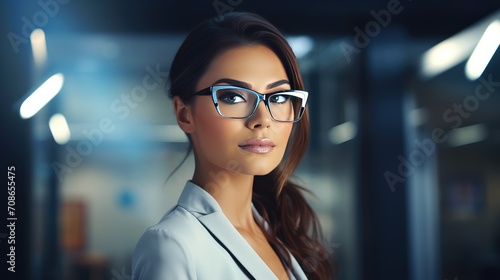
x: 294, y: 225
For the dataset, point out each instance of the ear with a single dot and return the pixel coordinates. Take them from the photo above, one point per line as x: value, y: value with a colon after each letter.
x: 183, y: 115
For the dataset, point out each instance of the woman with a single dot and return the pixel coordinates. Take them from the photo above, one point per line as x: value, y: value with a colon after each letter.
x: 240, y: 217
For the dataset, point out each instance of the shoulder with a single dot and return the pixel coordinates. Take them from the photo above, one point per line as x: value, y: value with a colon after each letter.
x: 164, y: 250
x: 178, y: 225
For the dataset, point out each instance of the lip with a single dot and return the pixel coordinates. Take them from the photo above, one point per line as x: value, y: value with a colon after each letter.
x: 258, y: 145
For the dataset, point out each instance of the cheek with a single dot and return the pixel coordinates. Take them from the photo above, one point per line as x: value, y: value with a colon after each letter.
x: 216, y: 131
x: 282, y: 133
x: 281, y: 130
x: 210, y: 125
x: 215, y: 136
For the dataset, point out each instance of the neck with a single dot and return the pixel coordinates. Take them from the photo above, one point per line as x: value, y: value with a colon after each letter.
x: 233, y: 193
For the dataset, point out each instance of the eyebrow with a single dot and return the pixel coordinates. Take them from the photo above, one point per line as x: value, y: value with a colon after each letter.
x: 249, y: 86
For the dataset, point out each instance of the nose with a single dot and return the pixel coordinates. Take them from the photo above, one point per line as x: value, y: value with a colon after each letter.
x: 260, y: 118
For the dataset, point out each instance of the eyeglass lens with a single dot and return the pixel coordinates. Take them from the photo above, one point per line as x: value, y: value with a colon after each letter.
x: 240, y: 103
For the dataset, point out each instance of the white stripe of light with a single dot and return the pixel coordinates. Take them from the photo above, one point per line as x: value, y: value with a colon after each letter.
x: 484, y: 51
x: 38, y: 46
x: 301, y: 45
x: 442, y: 57
x: 455, y: 49
x: 467, y: 135
x: 59, y: 129
x: 41, y: 96
x: 342, y: 133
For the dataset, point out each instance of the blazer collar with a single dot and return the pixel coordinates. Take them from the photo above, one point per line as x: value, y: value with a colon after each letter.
x: 206, y: 209
x: 198, y: 201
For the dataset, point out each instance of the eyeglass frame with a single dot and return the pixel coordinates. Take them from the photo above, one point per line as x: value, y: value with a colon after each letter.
x: 260, y: 97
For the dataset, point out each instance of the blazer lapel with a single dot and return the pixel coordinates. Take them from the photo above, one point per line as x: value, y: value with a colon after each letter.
x: 223, y: 230
x: 298, y: 273
x: 204, y: 207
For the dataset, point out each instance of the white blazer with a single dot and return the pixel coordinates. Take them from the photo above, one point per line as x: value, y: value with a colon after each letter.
x: 195, y: 240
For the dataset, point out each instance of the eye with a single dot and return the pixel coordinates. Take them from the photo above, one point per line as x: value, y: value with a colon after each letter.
x: 279, y: 98
x: 231, y: 98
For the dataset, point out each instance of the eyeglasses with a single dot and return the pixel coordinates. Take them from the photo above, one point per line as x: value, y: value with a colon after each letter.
x: 241, y: 103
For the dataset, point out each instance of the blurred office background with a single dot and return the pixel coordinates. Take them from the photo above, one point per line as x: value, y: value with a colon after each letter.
x: 405, y: 131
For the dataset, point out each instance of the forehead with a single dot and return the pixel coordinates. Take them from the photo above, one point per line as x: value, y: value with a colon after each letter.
x: 257, y: 65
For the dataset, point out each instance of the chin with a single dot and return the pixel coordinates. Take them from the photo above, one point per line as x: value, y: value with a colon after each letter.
x: 256, y: 166
x: 262, y: 173
x: 259, y: 170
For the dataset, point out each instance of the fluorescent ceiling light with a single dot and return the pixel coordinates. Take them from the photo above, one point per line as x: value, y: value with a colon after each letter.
x: 38, y: 46
x: 484, y: 51
x: 443, y: 56
x: 342, y: 133
x: 59, y: 129
x: 467, y: 135
x: 41, y: 96
x: 455, y: 49
x: 301, y: 45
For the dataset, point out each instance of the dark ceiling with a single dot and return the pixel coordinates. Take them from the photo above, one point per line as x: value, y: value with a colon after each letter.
x: 419, y: 17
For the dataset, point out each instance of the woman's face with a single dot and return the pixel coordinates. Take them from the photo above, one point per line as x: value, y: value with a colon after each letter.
x: 223, y: 143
